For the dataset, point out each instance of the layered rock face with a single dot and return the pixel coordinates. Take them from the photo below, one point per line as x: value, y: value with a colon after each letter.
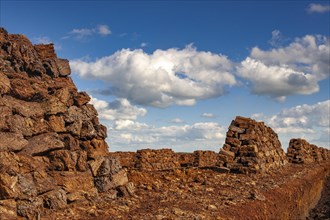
x: 52, y: 148
x: 251, y: 147
x: 300, y: 151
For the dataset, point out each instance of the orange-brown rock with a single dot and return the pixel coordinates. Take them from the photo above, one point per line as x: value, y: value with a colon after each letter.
x: 55, y: 164
x: 127, y: 159
x: 300, y: 151
x: 49, y: 135
x: 205, y: 159
x: 251, y: 147
x: 163, y: 159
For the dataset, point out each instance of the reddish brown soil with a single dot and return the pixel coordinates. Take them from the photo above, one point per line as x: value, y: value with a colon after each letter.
x: 206, y: 194
x: 322, y: 209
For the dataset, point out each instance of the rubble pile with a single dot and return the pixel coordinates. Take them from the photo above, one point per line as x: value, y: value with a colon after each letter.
x: 300, y: 151
x: 251, y: 147
x: 52, y: 148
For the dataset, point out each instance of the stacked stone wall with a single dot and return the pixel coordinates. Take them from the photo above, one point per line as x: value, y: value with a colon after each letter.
x: 150, y: 160
x: 205, y: 159
x: 300, y: 151
x: 251, y: 147
x: 52, y: 148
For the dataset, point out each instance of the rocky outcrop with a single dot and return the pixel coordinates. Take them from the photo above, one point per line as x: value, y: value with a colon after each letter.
x: 52, y: 148
x: 251, y: 147
x: 300, y: 151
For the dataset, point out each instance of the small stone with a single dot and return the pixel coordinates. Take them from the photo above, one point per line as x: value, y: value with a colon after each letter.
x: 212, y: 208
x: 257, y: 196
x: 178, y: 212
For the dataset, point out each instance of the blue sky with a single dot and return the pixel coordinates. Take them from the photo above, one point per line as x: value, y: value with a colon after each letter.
x: 175, y: 73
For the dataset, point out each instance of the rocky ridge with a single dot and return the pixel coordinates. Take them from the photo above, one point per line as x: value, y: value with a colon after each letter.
x: 52, y: 147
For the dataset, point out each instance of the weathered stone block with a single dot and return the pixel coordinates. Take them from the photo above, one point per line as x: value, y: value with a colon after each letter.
x: 64, y: 96
x: 43, y: 143
x: 70, y: 142
x: 8, y: 209
x: 233, y: 141
x: 57, y: 123
x: 22, y: 89
x: 81, y: 99
x: 72, y: 181
x: 30, y: 208
x: 227, y: 153
x: 12, y: 141
x: 104, y: 183
x: 109, y: 166
x: 87, y: 130
x: 120, y: 178
x: 55, y: 199
x: 66, y: 160
x: 24, y: 108
x: 63, y: 67
x: 7, y: 184
x: 126, y: 190
x: 54, y: 106
x: 4, y: 84
x: 236, y: 129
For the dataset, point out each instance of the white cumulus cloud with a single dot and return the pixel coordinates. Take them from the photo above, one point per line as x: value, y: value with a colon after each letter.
x: 42, y: 40
x: 208, y: 115
x: 302, y: 121
x: 143, y: 44
x: 120, y: 109
x: 80, y: 33
x: 294, y: 69
x: 163, y: 78
x: 176, y: 120
x: 125, y: 132
x: 103, y: 30
x: 318, y: 8
x: 178, y: 137
x: 276, y: 39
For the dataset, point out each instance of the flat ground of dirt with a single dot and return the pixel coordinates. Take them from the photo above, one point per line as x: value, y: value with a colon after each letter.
x: 196, y: 194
